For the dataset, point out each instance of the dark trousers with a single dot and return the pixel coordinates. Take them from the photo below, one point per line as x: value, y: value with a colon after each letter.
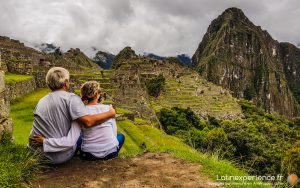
x: 90, y: 157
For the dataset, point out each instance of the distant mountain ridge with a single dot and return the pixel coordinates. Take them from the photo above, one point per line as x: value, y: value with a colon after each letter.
x: 104, y: 59
x: 240, y: 56
x: 18, y: 58
x: 183, y: 58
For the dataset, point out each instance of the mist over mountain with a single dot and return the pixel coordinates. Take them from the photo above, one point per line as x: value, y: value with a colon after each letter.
x: 183, y: 58
x: 46, y: 48
x: 104, y: 59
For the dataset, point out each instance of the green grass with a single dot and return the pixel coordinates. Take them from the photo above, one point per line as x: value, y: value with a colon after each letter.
x: 14, y: 78
x: 139, y: 121
x: 139, y: 138
x: 17, y: 165
x: 22, y: 114
x: 123, y: 111
x: 188, y: 94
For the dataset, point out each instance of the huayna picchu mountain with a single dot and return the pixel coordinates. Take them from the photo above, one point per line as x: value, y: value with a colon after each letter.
x: 240, y: 56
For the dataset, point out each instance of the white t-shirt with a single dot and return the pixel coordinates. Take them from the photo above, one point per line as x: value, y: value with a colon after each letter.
x: 99, y: 140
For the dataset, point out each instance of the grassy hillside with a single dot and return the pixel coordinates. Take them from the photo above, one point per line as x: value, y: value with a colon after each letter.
x: 13, y: 78
x: 201, y: 96
x: 140, y: 137
x: 22, y: 114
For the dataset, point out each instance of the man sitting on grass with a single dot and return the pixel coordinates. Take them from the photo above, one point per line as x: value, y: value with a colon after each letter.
x: 55, y: 112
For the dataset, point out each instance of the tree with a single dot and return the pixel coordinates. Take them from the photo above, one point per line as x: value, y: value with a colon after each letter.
x: 155, y: 85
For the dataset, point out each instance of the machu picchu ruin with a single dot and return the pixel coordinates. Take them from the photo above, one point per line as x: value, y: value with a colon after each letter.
x: 110, y: 113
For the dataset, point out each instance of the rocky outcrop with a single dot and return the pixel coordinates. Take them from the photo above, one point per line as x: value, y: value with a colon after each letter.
x: 20, y: 59
x: 5, y: 121
x: 291, y: 66
x: 242, y: 57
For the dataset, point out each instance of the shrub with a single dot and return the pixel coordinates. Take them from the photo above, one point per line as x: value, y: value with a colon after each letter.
x: 217, y: 141
x: 291, y: 162
x: 155, y: 85
x: 249, y: 93
x: 175, y: 119
x: 261, y: 142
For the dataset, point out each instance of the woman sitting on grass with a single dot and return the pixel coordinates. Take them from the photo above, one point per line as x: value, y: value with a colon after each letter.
x: 98, y: 142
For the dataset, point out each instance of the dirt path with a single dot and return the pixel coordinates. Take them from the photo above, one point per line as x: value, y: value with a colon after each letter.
x: 147, y: 170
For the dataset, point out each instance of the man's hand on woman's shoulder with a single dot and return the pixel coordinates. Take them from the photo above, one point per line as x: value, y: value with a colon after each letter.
x: 112, y: 111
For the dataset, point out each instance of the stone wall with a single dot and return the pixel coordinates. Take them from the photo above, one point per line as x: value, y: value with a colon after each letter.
x: 131, y: 93
x: 5, y: 121
x: 18, y: 89
x: 40, y: 79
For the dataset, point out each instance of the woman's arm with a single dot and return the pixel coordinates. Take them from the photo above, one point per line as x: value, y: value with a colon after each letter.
x: 59, y: 144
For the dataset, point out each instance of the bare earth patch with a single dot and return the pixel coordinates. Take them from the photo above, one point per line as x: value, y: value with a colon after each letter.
x: 147, y: 170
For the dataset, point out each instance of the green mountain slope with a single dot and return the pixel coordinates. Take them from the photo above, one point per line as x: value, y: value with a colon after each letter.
x: 242, y: 57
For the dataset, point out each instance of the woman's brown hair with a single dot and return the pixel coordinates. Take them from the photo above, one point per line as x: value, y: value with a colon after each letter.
x: 89, y: 90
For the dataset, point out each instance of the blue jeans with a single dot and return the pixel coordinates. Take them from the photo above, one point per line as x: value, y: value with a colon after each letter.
x: 90, y: 157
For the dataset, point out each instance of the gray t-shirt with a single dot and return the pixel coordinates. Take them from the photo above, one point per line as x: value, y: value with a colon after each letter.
x: 52, y: 119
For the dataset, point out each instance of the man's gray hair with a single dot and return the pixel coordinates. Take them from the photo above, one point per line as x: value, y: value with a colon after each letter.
x: 56, y: 77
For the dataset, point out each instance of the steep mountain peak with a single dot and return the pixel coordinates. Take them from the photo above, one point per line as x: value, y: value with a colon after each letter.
x: 233, y: 12
x: 234, y: 15
x: 240, y: 56
x: 124, y: 55
x: 128, y: 52
x: 231, y: 18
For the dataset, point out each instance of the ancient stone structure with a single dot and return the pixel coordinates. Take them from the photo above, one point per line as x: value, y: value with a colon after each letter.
x: 40, y: 79
x: 131, y: 92
x: 18, y: 89
x: 5, y: 121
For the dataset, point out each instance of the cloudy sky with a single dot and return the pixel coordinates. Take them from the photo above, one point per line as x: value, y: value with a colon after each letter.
x: 164, y: 27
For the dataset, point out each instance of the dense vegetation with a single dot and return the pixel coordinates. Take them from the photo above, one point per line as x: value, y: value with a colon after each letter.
x: 261, y: 142
x: 17, y: 165
x: 155, y: 85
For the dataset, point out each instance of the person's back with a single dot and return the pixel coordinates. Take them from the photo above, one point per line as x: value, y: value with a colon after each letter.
x: 100, y: 140
x: 52, y: 119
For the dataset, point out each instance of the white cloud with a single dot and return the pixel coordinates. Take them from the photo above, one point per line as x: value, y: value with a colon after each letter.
x: 164, y: 27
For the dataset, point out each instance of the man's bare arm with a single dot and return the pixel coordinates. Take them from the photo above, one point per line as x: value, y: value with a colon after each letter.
x: 92, y: 120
